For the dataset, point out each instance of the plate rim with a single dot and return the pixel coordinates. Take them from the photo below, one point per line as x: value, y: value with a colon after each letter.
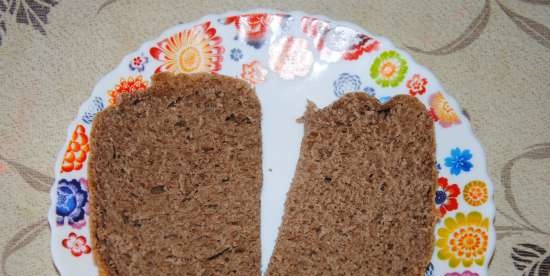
x: 484, y: 172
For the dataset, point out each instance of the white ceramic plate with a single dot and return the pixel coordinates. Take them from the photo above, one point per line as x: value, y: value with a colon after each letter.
x: 289, y: 58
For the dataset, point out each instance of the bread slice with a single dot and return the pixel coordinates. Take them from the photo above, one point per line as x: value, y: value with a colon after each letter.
x: 175, y: 179
x: 362, y: 198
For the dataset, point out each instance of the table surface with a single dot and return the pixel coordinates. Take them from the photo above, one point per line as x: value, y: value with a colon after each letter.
x: 492, y: 56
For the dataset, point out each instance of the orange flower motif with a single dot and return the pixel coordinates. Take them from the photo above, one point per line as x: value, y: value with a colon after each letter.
x: 290, y: 58
x: 476, y: 193
x: 442, y: 111
x: 388, y: 69
x: 77, y: 150
x: 194, y: 50
x: 129, y: 85
x: 254, y: 73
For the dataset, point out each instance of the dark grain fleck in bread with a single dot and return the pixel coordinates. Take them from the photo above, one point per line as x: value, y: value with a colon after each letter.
x: 175, y: 179
x: 361, y: 202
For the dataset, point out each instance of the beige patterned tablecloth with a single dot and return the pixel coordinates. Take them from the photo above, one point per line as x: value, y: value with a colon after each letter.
x: 493, y: 56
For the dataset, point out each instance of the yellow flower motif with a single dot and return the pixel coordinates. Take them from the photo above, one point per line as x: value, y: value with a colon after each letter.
x: 463, y: 239
x: 476, y: 193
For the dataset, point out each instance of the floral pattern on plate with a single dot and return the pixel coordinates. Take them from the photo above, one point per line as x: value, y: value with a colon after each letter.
x: 72, y: 202
x: 197, y: 49
x: 464, y: 239
x: 76, y: 244
x: 254, y: 28
x: 389, y: 69
x: 476, y: 193
x: 441, y: 111
x: 77, y: 150
x: 347, y: 83
x: 129, y: 85
x: 338, y: 42
x: 254, y: 73
x: 138, y: 63
x: 290, y: 58
x: 459, y: 161
x: 465, y: 273
x: 417, y: 85
x: 89, y: 115
x: 446, y: 196
x: 236, y: 54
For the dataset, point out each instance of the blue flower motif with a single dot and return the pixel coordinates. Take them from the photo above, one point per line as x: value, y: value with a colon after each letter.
x: 429, y: 270
x: 438, y: 165
x: 346, y: 83
x: 97, y: 105
x: 72, y: 202
x: 384, y: 99
x: 440, y: 197
x: 369, y: 90
x: 236, y: 54
x: 459, y: 161
x: 138, y: 63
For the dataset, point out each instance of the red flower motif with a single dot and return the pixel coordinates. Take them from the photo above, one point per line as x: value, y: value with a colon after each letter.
x: 445, y: 196
x: 254, y: 27
x: 364, y: 44
x: 77, y: 245
x: 417, y: 85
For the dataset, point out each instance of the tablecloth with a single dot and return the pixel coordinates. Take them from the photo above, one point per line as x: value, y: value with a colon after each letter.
x: 493, y: 56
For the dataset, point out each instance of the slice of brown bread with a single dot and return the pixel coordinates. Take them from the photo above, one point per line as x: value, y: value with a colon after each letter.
x: 362, y: 198
x: 175, y: 179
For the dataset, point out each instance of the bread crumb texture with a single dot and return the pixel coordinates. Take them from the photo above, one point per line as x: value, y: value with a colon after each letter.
x: 361, y: 202
x: 175, y: 179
